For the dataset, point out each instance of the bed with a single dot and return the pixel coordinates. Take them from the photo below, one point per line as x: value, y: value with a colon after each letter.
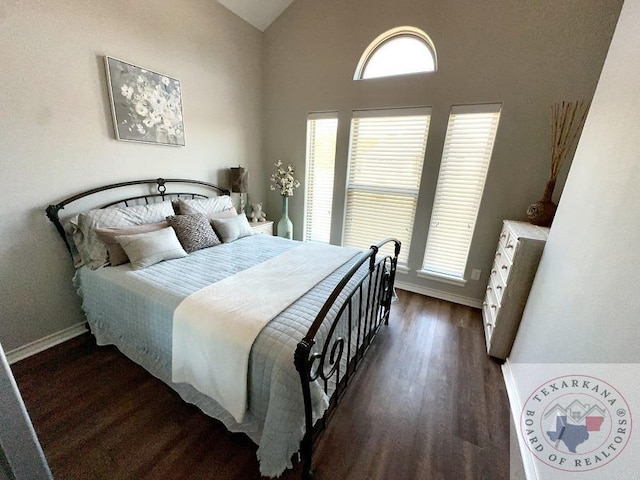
x: 299, y: 363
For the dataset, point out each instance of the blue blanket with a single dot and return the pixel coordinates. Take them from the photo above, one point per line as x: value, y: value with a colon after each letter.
x: 134, y: 310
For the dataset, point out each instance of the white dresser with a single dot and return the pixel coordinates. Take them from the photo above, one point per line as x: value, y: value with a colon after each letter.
x: 517, y: 256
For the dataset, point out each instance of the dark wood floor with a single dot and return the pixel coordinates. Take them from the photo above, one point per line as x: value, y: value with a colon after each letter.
x: 427, y: 403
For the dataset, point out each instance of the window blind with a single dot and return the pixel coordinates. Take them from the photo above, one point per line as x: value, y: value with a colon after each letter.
x: 386, y: 155
x: 465, y: 161
x: 321, y: 154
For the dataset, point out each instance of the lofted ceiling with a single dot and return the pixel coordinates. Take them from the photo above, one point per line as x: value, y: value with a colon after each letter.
x: 259, y: 13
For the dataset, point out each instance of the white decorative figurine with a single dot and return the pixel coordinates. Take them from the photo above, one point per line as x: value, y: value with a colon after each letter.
x: 257, y: 215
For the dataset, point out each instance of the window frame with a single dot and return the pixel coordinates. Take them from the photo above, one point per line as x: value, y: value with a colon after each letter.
x: 487, y: 109
x: 388, y: 36
x: 314, y: 116
x: 415, y: 193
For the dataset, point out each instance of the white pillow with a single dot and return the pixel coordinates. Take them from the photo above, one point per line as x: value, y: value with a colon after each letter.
x: 92, y: 250
x: 146, y: 249
x: 206, y: 206
x: 232, y: 228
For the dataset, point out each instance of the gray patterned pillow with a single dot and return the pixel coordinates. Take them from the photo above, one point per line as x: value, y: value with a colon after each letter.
x: 193, y: 231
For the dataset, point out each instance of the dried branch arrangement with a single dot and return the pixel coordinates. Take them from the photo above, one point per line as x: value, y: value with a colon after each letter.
x: 567, y: 120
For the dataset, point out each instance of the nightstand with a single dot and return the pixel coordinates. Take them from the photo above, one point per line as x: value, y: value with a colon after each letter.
x: 262, y: 227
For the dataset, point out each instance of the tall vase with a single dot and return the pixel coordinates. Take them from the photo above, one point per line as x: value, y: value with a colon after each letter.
x: 285, y: 227
x: 541, y: 213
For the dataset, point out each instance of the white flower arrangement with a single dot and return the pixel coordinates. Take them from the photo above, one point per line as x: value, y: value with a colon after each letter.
x: 153, y: 107
x: 283, y: 180
x: 147, y: 105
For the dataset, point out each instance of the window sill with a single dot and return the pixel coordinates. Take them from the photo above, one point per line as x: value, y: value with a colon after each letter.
x: 402, y: 269
x: 439, y: 277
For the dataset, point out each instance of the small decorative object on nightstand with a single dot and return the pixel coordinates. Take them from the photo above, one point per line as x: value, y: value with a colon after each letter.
x: 515, y: 264
x: 240, y: 184
x: 265, y: 227
x: 257, y: 215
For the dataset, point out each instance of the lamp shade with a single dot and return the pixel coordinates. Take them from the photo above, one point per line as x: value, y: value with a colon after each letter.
x: 239, y: 180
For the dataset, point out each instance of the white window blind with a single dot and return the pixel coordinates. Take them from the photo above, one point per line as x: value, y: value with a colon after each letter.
x: 321, y: 155
x: 385, y: 167
x: 465, y: 161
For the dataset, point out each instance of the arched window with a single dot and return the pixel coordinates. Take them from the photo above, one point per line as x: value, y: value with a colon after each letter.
x: 398, y: 51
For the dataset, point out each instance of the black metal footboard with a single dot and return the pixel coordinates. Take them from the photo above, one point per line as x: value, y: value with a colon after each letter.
x: 341, y: 343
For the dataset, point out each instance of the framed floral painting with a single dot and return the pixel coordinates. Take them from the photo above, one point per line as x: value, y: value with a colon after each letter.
x: 146, y: 105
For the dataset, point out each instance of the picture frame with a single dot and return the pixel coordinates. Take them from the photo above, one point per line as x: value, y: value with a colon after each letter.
x: 146, y: 105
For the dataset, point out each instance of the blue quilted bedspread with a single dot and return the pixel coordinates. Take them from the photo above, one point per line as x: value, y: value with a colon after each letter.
x: 134, y: 311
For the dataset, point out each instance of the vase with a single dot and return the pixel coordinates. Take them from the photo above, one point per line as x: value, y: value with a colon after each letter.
x: 285, y: 227
x: 541, y: 213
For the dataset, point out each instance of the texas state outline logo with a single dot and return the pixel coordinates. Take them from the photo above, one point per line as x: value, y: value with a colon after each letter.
x: 576, y: 423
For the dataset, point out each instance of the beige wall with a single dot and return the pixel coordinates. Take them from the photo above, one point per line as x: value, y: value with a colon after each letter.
x: 584, y: 306
x: 56, y: 134
x: 526, y: 55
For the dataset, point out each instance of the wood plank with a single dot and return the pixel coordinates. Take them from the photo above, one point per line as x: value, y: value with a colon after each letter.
x: 427, y: 403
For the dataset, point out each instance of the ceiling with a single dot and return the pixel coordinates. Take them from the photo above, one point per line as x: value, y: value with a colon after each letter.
x: 259, y: 13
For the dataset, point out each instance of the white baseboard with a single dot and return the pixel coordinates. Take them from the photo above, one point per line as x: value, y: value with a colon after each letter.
x: 49, y: 341
x: 430, y: 292
x: 516, y: 409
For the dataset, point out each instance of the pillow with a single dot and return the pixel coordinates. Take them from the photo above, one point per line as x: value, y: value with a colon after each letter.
x: 193, y: 231
x: 146, y: 249
x: 116, y: 255
x: 176, y: 206
x: 74, y: 237
x: 229, y: 212
x: 92, y: 250
x: 206, y: 206
x: 232, y: 228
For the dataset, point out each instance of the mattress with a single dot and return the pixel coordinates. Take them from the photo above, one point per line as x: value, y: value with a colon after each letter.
x: 134, y: 311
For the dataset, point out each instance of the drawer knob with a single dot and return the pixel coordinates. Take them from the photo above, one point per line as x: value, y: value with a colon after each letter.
x: 504, y: 267
x: 493, y: 271
x: 510, y: 245
x: 488, y: 289
x: 494, y: 306
x: 498, y: 254
x: 499, y: 287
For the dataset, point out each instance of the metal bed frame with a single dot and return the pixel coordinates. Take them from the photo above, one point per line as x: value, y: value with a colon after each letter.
x: 366, y: 308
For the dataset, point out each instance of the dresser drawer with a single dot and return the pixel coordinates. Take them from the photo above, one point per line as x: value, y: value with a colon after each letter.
x: 262, y: 227
x: 502, y: 265
x: 492, y: 305
x: 488, y: 331
x: 498, y: 286
x: 508, y: 242
x: 488, y: 318
x: 504, y: 236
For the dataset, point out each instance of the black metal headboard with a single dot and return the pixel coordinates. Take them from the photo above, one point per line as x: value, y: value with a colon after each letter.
x: 54, y: 209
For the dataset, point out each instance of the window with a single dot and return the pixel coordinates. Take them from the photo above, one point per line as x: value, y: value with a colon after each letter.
x: 398, y: 51
x: 385, y: 166
x: 465, y: 160
x: 321, y: 155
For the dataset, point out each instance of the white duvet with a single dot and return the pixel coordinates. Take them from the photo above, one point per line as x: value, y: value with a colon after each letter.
x: 215, y: 327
